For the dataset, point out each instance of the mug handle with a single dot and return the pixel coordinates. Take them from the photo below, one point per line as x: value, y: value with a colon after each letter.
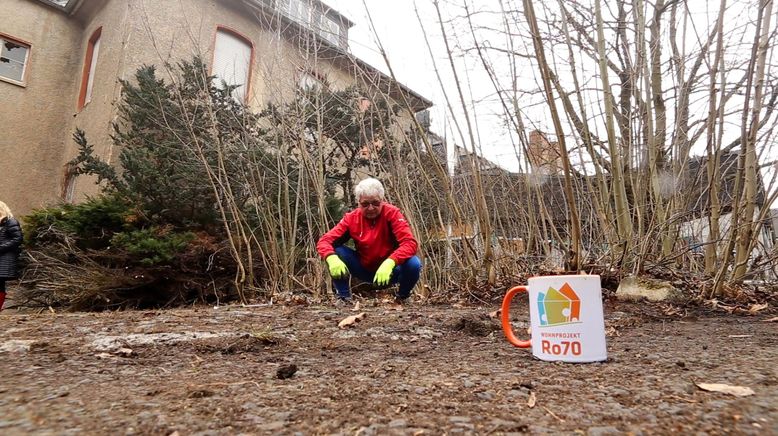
x: 505, y: 318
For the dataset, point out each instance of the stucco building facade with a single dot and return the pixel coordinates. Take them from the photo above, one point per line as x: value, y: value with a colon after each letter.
x: 61, y: 62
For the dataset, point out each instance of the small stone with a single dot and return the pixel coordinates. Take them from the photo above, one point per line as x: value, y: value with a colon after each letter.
x: 618, y: 392
x: 273, y: 426
x: 648, y: 395
x: 282, y: 416
x: 468, y: 384
x: 373, y: 430
x: 286, y: 371
x: 635, y: 431
x: 602, y: 431
x: 201, y: 393
x: 398, y: 423
x: 486, y: 396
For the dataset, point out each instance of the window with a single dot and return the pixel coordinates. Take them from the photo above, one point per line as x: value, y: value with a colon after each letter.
x: 69, y: 186
x: 309, y: 82
x: 14, y: 55
x: 298, y: 10
x: 90, y: 64
x: 329, y: 29
x: 314, y: 19
x: 232, y: 57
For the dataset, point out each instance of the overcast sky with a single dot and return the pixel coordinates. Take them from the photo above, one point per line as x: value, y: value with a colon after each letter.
x: 397, y: 26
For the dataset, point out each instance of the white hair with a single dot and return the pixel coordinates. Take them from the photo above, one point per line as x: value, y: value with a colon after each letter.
x: 5, y: 211
x: 369, y: 187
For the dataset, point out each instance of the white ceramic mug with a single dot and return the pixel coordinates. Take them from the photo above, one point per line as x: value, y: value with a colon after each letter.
x: 566, y: 318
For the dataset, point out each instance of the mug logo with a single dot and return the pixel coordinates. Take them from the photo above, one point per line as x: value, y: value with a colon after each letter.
x: 557, y: 307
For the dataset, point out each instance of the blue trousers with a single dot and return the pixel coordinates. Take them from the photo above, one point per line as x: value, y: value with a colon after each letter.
x: 406, y: 274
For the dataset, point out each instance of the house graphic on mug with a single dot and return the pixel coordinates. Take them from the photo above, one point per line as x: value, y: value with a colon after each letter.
x: 557, y: 307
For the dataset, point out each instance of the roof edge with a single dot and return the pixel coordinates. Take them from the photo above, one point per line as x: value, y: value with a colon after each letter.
x: 421, y: 102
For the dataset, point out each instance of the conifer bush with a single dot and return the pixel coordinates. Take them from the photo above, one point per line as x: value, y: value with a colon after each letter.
x: 153, y: 245
x: 90, y: 224
x: 155, y: 233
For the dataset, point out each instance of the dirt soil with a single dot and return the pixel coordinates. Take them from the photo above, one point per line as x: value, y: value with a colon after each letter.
x: 423, y: 370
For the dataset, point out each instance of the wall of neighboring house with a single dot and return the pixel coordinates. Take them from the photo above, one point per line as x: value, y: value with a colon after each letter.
x: 34, y: 118
x: 695, y: 233
x: 110, y: 18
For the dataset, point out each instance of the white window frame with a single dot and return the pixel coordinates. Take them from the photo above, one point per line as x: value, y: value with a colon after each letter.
x: 329, y: 29
x: 226, y: 73
x: 298, y: 10
x: 90, y: 80
x: 309, y: 81
x: 25, y: 63
x: 87, y: 79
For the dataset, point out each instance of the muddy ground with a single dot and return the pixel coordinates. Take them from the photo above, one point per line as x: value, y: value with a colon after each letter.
x: 423, y: 370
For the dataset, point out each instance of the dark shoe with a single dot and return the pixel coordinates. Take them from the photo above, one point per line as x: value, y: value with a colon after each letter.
x: 399, y: 303
x: 343, y: 302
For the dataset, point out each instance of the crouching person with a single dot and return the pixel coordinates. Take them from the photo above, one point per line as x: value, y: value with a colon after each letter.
x: 385, y: 247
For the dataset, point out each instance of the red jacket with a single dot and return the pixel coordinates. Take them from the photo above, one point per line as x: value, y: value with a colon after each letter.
x: 387, y: 236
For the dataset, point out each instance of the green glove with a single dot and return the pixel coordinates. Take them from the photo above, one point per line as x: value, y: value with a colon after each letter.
x: 338, y: 269
x: 384, y: 273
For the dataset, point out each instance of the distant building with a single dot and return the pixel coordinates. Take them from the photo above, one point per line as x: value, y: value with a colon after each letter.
x: 544, y: 156
x: 695, y: 230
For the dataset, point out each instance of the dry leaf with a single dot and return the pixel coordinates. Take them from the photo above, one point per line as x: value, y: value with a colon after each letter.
x: 495, y: 314
x: 738, y: 391
x: 773, y: 319
x: 671, y: 311
x: 611, y: 332
x: 757, y: 307
x: 351, y: 320
x: 124, y: 352
x: 739, y: 336
x: 103, y: 355
x: 531, y: 400
x: 356, y: 307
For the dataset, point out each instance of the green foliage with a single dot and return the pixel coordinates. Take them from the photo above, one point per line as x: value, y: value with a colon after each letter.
x: 86, y: 162
x: 171, y: 137
x: 152, y: 246
x: 193, y: 160
x: 90, y: 224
